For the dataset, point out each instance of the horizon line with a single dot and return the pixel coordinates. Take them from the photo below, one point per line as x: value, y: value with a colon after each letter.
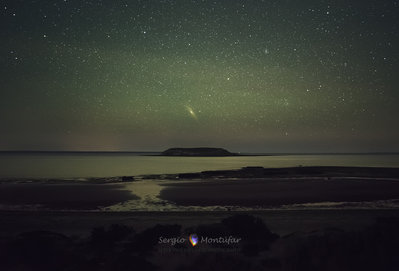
x: 255, y: 153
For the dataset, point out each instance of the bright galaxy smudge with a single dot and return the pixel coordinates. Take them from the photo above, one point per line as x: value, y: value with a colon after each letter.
x: 192, y: 113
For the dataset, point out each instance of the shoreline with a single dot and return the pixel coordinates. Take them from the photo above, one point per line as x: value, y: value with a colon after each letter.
x: 245, y: 189
x: 244, y: 172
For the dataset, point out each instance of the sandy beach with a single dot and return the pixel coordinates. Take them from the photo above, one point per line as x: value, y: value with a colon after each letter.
x: 279, y: 214
x: 248, y: 189
x: 282, y: 222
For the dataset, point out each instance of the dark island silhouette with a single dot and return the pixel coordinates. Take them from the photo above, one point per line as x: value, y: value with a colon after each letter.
x: 197, y: 152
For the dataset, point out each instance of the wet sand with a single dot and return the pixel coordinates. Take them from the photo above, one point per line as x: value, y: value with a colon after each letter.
x: 65, y: 196
x: 278, y: 191
x: 244, y: 189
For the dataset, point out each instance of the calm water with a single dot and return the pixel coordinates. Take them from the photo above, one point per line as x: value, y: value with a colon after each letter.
x: 69, y: 165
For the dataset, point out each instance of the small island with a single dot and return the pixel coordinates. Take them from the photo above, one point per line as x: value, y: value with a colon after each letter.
x: 197, y: 152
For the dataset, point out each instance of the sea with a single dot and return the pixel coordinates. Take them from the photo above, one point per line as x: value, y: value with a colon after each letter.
x: 112, y: 164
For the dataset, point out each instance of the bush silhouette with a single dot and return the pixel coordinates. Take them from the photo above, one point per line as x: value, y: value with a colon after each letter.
x: 144, y: 242
x: 255, y: 235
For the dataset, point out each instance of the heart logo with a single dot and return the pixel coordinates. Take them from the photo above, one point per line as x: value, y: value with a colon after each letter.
x: 193, y: 239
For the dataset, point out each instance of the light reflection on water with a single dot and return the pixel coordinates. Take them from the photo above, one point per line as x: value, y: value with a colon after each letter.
x: 107, y: 165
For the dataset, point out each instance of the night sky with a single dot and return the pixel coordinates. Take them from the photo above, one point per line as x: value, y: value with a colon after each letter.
x: 251, y: 76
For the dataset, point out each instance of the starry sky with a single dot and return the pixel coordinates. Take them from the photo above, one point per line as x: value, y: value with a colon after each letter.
x: 249, y: 76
